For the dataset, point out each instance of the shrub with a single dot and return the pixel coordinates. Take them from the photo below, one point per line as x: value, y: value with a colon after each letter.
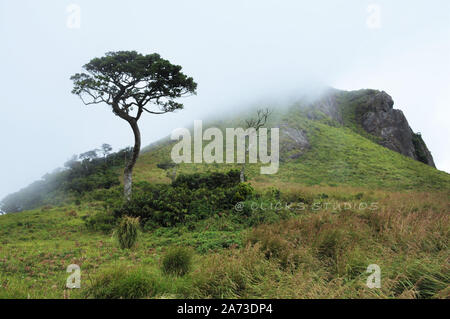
x: 177, y: 261
x: 121, y: 283
x: 208, y: 180
x: 104, y: 222
x: 169, y: 205
x: 243, y: 191
x: 127, y: 232
x: 261, y: 211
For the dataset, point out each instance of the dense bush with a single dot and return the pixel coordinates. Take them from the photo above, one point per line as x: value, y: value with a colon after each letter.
x: 103, y: 221
x: 257, y: 211
x: 208, y: 180
x: 127, y: 232
x: 120, y: 283
x: 177, y: 261
x: 168, y: 205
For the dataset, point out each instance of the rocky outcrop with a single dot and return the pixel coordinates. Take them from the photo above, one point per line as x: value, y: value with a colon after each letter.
x: 293, y: 142
x: 391, y: 126
x: 374, y: 112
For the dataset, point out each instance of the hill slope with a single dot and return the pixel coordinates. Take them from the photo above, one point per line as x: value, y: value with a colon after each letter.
x: 341, y: 138
x: 340, y: 202
x: 324, y: 146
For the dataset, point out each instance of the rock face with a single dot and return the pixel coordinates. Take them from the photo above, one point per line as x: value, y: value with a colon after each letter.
x: 293, y: 142
x: 373, y: 111
x: 391, y: 126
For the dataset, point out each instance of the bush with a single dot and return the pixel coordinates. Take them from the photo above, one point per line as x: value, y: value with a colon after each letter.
x: 177, y: 261
x: 127, y: 232
x: 261, y: 211
x: 104, y: 222
x: 121, y: 283
x: 208, y: 180
x: 169, y: 205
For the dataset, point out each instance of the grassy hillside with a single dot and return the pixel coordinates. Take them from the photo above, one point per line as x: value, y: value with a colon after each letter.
x: 338, y: 157
x: 320, y: 251
x: 309, y: 231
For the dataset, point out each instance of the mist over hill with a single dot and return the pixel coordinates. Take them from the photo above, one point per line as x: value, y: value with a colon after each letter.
x: 332, y: 138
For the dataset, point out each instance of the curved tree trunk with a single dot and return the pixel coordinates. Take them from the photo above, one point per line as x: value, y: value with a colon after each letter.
x: 128, y: 173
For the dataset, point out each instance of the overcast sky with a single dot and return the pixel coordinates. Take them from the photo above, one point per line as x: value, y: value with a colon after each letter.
x: 237, y: 51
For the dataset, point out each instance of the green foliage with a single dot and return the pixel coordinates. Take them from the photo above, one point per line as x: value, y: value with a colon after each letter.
x: 102, y: 221
x: 262, y: 210
x: 177, y: 261
x: 191, y: 198
x: 127, y: 232
x: 419, y: 147
x: 121, y: 283
x: 148, y: 78
x: 166, y: 165
x: 208, y: 180
x: 78, y: 179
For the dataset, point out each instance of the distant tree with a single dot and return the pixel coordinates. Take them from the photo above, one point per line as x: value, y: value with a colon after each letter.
x: 89, y: 155
x: 72, y: 162
x: 106, y: 150
x: 130, y: 83
x: 255, y: 122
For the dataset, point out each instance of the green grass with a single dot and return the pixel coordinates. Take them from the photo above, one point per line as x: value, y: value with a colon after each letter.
x: 320, y: 254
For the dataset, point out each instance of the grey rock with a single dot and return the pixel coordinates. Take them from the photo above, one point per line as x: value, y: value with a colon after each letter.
x: 293, y: 141
x: 391, y: 126
x: 375, y: 113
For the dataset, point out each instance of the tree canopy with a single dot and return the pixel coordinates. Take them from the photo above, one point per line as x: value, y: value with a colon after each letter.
x: 128, y: 81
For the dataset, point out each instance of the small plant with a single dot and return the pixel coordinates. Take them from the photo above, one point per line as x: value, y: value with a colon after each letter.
x: 177, y: 261
x: 127, y: 232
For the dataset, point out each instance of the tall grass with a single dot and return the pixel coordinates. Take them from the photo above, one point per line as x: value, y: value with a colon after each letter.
x: 127, y: 232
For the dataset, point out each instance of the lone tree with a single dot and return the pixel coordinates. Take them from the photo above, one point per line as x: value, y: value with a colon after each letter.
x: 255, y: 122
x: 106, y: 150
x: 131, y: 84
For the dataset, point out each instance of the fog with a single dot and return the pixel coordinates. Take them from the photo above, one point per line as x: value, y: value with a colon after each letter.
x: 238, y: 52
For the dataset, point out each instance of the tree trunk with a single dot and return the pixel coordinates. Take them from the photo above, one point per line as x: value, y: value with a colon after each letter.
x: 174, y: 174
x: 242, y: 176
x: 128, y: 172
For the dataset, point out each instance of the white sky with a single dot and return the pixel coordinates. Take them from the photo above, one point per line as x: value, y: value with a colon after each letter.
x: 237, y: 51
